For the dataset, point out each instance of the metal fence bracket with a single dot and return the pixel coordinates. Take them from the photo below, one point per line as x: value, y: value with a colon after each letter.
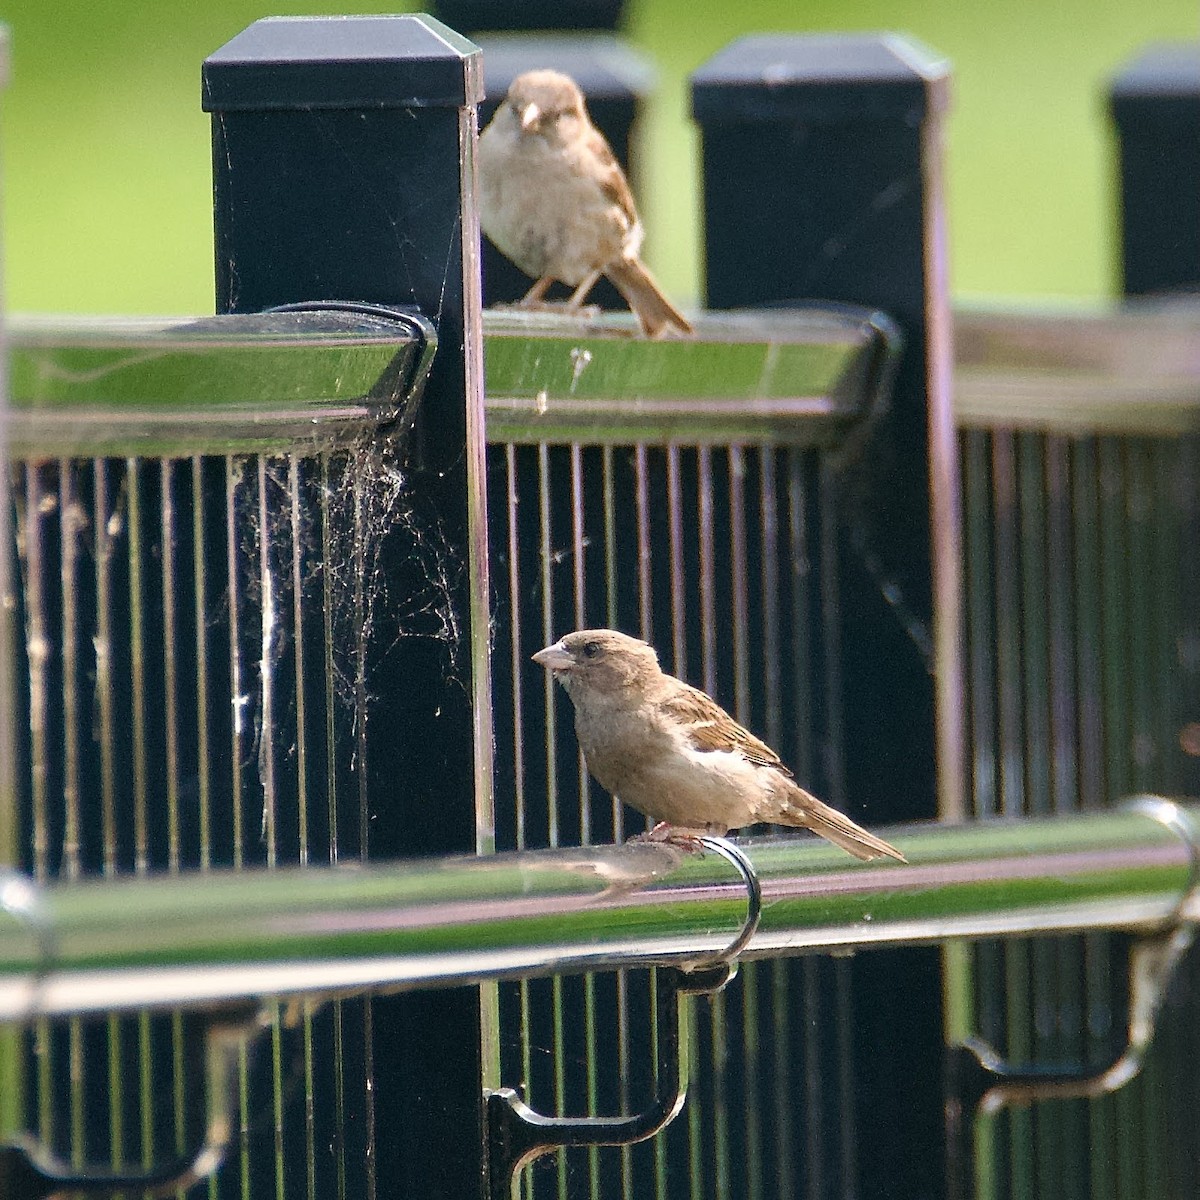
x: 30, y: 1171
x: 517, y: 1134
x: 980, y: 1082
x: 400, y: 387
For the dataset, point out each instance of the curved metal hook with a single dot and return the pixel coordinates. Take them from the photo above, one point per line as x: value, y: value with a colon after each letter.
x: 734, y: 854
x: 981, y: 1081
x: 1179, y: 822
x: 1153, y: 958
x: 989, y: 1083
x: 28, y: 1171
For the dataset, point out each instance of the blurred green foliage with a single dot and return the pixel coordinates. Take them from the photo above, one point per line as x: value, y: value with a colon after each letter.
x: 106, y: 152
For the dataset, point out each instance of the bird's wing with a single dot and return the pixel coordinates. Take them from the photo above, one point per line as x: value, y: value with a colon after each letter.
x: 612, y: 179
x: 710, y: 727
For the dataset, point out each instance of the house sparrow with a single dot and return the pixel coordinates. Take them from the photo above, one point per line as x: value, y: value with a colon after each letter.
x: 673, y: 753
x: 555, y: 200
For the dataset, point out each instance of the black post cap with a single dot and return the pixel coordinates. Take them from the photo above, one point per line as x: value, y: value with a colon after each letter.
x: 789, y: 76
x: 406, y: 61
x: 1164, y: 79
x: 605, y: 67
x: 474, y: 16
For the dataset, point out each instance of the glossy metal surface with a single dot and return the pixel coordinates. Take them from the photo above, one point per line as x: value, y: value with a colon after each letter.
x: 238, y: 383
x: 795, y: 377
x: 211, y: 385
x: 162, y: 941
x: 1133, y: 369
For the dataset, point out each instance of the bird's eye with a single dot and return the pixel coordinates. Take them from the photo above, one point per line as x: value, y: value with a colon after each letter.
x: 591, y: 649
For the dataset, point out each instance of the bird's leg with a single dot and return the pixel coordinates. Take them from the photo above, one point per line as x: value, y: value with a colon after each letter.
x: 534, y: 299
x: 579, y: 295
x: 535, y: 295
x: 672, y: 835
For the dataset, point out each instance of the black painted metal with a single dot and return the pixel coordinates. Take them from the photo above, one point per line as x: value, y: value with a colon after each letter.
x: 342, y: 157
x: 1155, y: 102
x: 473, y: 16
x: 818, y: 157
x: 980, y: 1081
x: 31, y: 1171
x: 517, y: 1134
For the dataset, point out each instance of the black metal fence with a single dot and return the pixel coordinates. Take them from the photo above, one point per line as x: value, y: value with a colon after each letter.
x: 352, y: 608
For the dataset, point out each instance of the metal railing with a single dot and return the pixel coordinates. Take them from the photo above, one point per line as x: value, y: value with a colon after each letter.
x: 82, y: 947
x: 792, y: 377
x: 1077, y: 435
x: 623, y: 494
x: 313, y: 377
x: 1132, y: 369
x: 197, y: 589
x: 199, y: 506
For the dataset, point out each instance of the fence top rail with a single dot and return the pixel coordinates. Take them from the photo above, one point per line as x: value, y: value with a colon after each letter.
x: 218, y: 936
x: 81, y: 386
x: 234, y: 384
x: 1127, y: 369
x: 796, y: 376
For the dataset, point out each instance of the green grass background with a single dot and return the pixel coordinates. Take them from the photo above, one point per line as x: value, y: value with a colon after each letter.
x: 107, y: 204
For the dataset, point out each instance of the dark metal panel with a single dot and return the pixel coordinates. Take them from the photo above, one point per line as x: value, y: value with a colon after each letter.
x: 821, y: 166
x: 1077, y: 601
x: 244, y: 578
x: 1155, y: 105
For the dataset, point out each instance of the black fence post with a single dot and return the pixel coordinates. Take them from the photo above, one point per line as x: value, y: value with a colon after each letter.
x: 343, y: 160
x: 9, y: 833
x: 822, y: 179
x: 1155, y: 103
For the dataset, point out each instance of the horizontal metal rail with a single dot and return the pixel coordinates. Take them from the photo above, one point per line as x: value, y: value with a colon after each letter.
x: 209, y: 938
x: 799, y: 376
x: 803, y: 376
x: 85, y: 387
x: 1131, y: 369
x: 245, y: 383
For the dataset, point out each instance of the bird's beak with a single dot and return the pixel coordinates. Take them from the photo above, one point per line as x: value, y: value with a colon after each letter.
x: 554, y: 658
x: 530, y: 116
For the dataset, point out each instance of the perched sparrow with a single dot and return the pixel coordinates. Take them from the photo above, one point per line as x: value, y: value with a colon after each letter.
x: 674, y: 754
x: 555, y: 200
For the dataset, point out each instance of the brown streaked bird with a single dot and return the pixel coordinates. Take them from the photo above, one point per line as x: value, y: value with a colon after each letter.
x: 555, y: 201
x: 669, y: 750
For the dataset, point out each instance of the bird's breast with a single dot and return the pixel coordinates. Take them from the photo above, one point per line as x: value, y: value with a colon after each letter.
x: 652, y: 767
x: 616, y: 743
x: 544, y: 212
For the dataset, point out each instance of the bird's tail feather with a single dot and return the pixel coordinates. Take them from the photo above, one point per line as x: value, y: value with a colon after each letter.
x: 643, y: 295
x: 839, y: 829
